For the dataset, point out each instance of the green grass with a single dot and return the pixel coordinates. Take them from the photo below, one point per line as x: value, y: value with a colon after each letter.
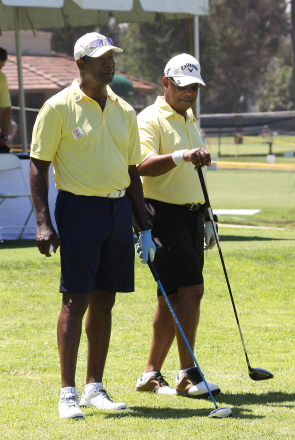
x: 273, y: 192
x: 260, y: 265
x: 253, y: 149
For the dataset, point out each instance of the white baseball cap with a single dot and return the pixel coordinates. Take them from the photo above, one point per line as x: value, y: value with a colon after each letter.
x: 94, y: 44
x: 185, y: 70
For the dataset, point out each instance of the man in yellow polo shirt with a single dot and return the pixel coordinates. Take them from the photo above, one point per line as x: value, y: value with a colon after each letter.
x: 171, y: 150
x: 91, y: 136
x: 5, y: 105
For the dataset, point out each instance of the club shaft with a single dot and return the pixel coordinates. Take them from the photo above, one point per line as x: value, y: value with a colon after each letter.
x: 208, y: 205
x: 156, y: 277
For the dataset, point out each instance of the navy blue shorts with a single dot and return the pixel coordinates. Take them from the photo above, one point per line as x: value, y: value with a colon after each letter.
x: 96, y: 243
x: 179, y: 236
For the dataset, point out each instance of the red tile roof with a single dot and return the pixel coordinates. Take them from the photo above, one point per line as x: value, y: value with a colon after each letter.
x: 53, y: 73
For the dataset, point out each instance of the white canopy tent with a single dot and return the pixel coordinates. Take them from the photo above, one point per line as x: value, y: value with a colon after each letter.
x: 42, y: 14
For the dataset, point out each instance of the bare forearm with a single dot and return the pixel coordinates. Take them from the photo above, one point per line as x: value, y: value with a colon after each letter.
x: 135, y: 194
x: 5, y: 120
x: 46, y: 233
x: 39, y: 189
x: 156, y: 165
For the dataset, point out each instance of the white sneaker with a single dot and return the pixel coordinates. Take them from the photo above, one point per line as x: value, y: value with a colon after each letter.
x: 191, y: 386
x: 100, y: 399
x: 156, y: 384
x: 68, y: 406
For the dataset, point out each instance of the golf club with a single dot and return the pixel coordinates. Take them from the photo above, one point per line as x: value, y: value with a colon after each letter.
x: 217, y: 412
x: 254, y: 373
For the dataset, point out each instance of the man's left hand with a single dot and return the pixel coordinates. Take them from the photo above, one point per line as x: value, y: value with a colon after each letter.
x: 146, y: 247
x: 209, y: 235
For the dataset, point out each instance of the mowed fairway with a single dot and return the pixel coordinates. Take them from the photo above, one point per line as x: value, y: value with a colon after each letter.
x: 252, y: 146
x: 261, y: 267
x: 273, y: 192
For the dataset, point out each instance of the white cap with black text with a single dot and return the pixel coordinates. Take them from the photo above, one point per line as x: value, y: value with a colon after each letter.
x: 184, y: 69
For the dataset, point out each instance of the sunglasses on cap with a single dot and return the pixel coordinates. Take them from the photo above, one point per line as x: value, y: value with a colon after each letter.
x: 99, y: 43
x: 194, y: 87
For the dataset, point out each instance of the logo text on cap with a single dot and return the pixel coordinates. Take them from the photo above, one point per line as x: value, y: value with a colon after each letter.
x: 188, y: 65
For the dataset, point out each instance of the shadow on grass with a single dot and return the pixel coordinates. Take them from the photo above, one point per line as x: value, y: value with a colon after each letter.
x: 254, y: 238
x: 269, y: 399
x: 235, y: 402
x: 12, y: 244
x: 174, y: 413
x: 181, y: 413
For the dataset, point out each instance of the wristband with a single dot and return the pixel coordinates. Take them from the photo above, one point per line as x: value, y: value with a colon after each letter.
x: 215, y: 218
x: 177, y: 156
x: 5, y: 137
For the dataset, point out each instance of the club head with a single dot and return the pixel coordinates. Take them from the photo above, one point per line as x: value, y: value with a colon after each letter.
x: 220, y: 413
x: 259, y: 374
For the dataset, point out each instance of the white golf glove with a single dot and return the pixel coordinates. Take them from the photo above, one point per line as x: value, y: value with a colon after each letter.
x: 146, y: 246
x: 209, y: 237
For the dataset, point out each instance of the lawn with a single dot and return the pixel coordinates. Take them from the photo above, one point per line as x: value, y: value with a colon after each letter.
x: 260, y: 265
x: 273, y: 192
x: 253, y: 148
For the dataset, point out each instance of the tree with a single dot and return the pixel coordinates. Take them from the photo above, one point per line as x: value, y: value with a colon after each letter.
x: 293, y: 41
x: 149, y: 46
x: 276, y: 91
x: 237, y: 40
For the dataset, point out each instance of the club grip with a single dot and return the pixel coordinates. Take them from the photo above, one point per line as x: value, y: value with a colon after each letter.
x: 204, y: 189
x: 153, y: 270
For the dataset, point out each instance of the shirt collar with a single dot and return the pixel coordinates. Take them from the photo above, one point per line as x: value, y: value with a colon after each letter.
x: 78, y: 94
x: 168, y: 111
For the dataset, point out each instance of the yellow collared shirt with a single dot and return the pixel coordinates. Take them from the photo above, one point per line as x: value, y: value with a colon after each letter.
x: 5, y: 100
x: 162, y: 131
x: 91, y: 149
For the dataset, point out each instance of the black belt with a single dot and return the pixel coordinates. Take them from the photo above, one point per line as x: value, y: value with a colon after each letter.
x: 192, y: 206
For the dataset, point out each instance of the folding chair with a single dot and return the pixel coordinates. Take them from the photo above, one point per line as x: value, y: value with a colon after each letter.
x: 9, y: 162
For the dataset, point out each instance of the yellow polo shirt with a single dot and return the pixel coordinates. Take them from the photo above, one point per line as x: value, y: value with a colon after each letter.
x: 162, y: 130
x: 4, y: 92
x: 90, y: 148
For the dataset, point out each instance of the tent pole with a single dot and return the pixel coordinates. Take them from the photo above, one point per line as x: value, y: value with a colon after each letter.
x: 197, y: 55
x: 23, y: 125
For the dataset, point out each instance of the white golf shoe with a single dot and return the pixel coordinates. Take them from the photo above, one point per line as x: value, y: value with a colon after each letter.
x: 68, y: 406
x: 99, y: 398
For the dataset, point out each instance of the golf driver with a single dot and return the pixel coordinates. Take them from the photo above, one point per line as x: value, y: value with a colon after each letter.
x: 254, y: 373
x: 217, y: 412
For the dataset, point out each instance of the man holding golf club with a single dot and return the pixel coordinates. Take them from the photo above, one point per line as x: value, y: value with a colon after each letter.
x: 172, y: 149
x: 91, y: 136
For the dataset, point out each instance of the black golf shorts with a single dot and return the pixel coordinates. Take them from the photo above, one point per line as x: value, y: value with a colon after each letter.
x: 96, y: 243
x: 179, y: 236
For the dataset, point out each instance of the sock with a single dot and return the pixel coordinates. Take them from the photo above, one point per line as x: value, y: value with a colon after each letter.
x: 66, y: 390
x: 182, y: 372
x: 92, y: 386
x: 148, y: 375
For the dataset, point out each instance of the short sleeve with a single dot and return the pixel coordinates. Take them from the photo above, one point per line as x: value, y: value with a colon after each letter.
x: 149, y: 138
x: 5, y: 100
x: 47, y: 134
x: 134, y: 156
